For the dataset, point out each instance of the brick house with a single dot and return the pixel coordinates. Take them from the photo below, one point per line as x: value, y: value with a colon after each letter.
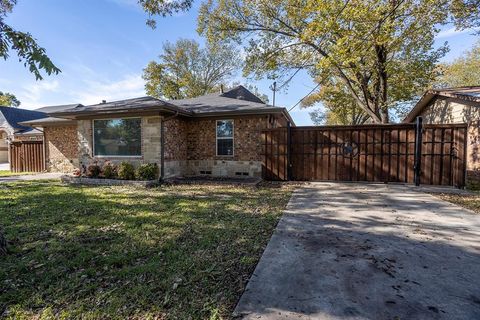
x: 216, y: 135
x: 454, y: 105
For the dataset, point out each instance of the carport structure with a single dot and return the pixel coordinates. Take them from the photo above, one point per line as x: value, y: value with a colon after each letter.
x: 402, y: 153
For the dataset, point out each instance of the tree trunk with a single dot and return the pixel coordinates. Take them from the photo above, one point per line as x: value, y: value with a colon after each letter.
x: 382, y: 94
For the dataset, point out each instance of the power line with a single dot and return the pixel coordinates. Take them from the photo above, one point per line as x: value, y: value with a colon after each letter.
x: 299, y: 101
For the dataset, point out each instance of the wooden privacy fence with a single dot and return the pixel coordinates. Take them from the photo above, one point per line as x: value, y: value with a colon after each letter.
x: 27, y: 156
x: 408, y: 153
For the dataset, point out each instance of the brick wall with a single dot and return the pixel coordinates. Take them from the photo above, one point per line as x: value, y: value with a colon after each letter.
x: 61, y: 148
x: 190, y: 146
x: 175, y: 131
x: 248, y: 146
x: 175, y: 139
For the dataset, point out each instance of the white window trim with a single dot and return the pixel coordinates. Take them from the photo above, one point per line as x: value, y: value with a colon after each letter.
x: 222, y: 138
x: 116, y: 156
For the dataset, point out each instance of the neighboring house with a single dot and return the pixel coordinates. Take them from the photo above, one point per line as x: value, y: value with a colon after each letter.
x: 454, y: 105
x: 217, y: 134
x: 11, y: 129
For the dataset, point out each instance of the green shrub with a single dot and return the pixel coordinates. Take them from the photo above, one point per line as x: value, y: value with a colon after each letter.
x: 93, y: 171
x: 109, y: 170
x: 147, y: 171
x: 126, y: 171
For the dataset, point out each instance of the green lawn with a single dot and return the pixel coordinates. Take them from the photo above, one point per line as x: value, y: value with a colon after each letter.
x: 8, y: 173
x: 178, y: 252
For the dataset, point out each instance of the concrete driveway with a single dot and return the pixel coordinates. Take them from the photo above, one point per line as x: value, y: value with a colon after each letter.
x: 368, y: 251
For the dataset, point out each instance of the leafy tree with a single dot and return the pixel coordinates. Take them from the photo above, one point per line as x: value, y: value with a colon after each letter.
x: 463, y: 71
x: 26, y: 47
x: 466, y: 14
x: 164, y: 8
x: 254, y: 89
x: 380, y: 51
x: 185, y: 70
x: 8, y: 100
x: 339, y: 107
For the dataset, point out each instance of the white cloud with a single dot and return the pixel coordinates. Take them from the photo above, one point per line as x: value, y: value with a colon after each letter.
x: 32, y: 94
x: 94, y: 91
x: 84, y: 89
x: 454, y: 32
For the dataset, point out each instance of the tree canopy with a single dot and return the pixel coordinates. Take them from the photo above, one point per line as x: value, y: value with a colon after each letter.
x: 28, y: 51
x: 339, y: 107
x: 466, y: 14
x: 164, y: 8
x: 380, y: 51
x: 185, y: 70
x: 463, y: 71
x: 8, y: 100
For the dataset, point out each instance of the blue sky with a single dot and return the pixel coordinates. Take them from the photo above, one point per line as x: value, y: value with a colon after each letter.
x: 101, y: 46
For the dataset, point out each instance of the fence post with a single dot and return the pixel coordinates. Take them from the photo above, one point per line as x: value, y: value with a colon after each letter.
x: 289, y: 143
x: 418, y: 150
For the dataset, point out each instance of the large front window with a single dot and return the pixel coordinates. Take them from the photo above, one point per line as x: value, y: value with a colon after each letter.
x: 117, y: 137
x: 225, y: 137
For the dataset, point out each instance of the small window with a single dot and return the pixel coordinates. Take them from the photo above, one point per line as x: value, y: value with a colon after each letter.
x: 117, y: 137
x: 224, y: 137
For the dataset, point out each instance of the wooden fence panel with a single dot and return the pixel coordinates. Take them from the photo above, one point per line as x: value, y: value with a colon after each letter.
x: 376, y: 153
x: 27, y: 156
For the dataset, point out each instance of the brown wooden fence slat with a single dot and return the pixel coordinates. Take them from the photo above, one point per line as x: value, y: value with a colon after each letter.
x: 27, y: 156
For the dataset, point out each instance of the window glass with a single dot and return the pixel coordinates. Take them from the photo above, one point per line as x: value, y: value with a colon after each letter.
x: 225, y: 129
x: 117, y: 137
x: 225, y: 137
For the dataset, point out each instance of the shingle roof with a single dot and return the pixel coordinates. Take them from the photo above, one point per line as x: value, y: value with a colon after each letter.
x: 242, y: 93
x: 237, y: 99
x: 127, y: 103
x: 469, y: 94
x: 51, y: 109
x: 12, y: 116
x: 118, y: 106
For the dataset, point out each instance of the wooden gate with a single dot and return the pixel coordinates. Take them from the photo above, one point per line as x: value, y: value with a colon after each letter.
x: 376, y: 153
x: 27, y: 156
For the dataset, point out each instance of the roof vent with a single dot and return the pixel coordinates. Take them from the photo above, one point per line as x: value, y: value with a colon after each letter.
x: 104, y: 101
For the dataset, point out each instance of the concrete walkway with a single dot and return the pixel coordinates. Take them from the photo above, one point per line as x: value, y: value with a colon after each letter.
x: 30, y: 177
x: 368, y: 251
x: 4, y: 166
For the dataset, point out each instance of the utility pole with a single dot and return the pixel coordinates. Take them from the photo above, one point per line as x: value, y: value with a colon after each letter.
x: 274, y: 89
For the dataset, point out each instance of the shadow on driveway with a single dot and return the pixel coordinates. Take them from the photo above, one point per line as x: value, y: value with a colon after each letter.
x: 367, y: 251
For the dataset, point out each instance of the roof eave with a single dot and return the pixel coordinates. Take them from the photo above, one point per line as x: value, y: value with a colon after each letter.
x: 76, y: 114
x: 246, y: 112
x: 39, y: 124
x: 421, y: 104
